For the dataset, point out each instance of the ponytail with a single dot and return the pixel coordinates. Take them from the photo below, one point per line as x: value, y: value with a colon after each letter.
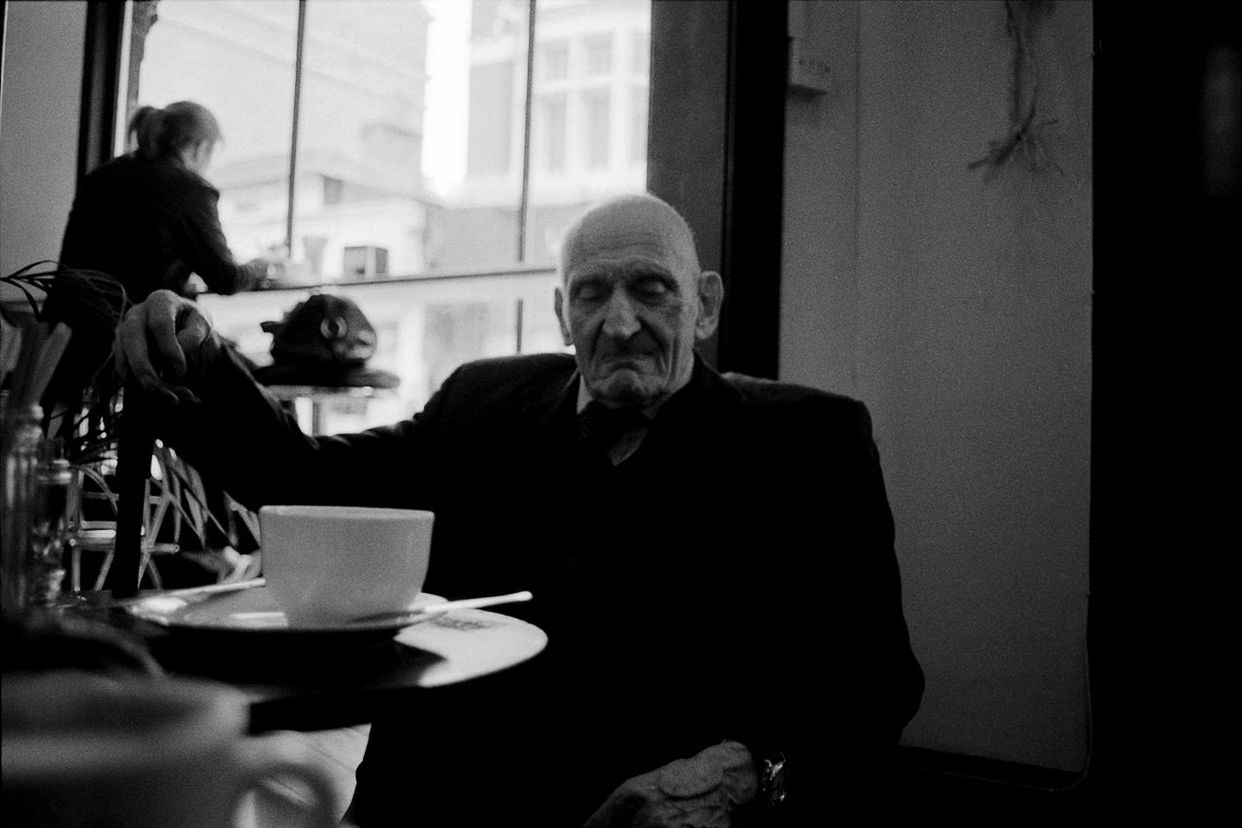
x: 145, y: 128
x: 163, y: 133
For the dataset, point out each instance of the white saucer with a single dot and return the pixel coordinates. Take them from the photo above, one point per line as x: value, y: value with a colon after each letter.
x: 254, y: 613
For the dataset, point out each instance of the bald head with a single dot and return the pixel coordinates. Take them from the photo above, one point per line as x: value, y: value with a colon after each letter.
x: 631, y: 222
x: 633, y: 300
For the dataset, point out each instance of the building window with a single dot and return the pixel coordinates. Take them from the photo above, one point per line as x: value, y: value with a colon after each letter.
x: 554, y: 61
x: 491, y: 91
x: 366, y: 262
x: 314, y: 247
x: 598, y: 52
x: 596, y: 108
x: 550, y: 138
x: 333, y: 190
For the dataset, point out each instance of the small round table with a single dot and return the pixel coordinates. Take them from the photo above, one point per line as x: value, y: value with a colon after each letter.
x: 320, y: 395
x: 308, y: 686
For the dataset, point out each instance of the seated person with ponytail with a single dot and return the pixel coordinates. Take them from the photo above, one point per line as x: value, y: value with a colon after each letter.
x: 148, y: 219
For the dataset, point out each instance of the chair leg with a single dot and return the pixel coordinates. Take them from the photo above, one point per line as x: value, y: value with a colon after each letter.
x: 103, y: 570
x: 148, y: 565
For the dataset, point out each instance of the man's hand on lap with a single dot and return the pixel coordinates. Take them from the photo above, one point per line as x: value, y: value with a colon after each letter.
x: 704, y: 791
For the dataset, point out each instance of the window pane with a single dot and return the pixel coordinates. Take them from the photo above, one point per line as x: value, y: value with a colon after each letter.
x: 595, y: 133
x: 601, y: 101
x: 410, y: 158
x: 640, y: 73
x: 411, y: 124
x: 491, y: 124
x: 554, y: 61
x: 638, y: 124
x: 598, y: 50
x: 237, y: 59
x: 359, y: 142
x: 640, y: 53
x: 424, y: 329
x: 550, y: 134
x: 476, y: 104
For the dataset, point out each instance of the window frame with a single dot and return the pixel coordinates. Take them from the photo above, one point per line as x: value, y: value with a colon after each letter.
x: 101, y: 84
x: 725, y: 121
x: 704, y: 115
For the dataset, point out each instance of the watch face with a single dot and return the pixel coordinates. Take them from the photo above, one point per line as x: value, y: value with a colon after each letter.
x: 772, y: 780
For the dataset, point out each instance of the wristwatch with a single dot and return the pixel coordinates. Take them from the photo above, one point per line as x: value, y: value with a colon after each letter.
x: 772, y: 779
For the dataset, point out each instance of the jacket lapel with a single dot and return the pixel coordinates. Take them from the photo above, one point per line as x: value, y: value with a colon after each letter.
x: 549, y: 418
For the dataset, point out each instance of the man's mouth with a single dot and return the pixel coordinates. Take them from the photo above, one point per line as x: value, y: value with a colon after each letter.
x: 622, y: 358
x: 633, y: 361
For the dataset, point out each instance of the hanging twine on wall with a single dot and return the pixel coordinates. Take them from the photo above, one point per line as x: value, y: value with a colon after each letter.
x: 1024, y: 143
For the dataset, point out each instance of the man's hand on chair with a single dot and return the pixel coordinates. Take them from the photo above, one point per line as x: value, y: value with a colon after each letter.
x: 164, y: 342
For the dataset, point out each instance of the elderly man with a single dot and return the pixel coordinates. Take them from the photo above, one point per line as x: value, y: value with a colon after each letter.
x: 711, y: 556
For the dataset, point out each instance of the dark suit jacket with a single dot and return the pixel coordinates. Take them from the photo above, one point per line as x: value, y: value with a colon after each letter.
x: 735, y: 578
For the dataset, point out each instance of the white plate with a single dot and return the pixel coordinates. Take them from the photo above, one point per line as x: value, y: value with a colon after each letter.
x: 254, y: 613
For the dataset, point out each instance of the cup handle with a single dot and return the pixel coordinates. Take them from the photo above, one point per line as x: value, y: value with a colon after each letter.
x: 268, y: 758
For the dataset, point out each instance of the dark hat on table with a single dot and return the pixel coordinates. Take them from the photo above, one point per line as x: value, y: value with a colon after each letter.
x: 324, y: 340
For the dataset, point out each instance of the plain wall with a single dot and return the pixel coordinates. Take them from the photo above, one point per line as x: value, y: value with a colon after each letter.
x: 39, y: 109
x: 958, y: 309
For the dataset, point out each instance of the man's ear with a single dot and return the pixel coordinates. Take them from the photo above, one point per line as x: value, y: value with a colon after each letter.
x: 558, y: 303
x: 711, y: 297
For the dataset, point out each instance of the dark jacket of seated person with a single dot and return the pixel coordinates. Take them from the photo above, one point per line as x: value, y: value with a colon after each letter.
x: 733, y: 579
x: 717, y: 577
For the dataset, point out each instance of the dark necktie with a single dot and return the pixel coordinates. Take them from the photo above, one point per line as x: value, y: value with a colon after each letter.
x: 602, y: 427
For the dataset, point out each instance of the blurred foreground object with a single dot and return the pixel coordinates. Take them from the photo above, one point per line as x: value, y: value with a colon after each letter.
x: 42, y: 640
x: 83, y: 749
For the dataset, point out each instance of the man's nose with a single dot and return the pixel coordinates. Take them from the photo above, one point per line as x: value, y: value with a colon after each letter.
x: 620, y: 320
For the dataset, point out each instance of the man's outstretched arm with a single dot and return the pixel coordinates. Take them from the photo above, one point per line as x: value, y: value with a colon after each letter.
x: 231, y: 430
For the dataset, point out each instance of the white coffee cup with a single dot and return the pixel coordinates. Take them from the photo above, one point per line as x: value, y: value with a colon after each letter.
x: 84, y: 749
x: 328, y: 565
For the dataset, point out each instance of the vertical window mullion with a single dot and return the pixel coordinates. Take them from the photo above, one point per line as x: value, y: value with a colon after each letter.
x: 530, y: 77
x: 293, y: 138
x: 124, y: 80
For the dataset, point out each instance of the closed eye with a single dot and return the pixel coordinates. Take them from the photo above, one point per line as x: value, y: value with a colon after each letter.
x: 652, y: 286
x: 588, y: 290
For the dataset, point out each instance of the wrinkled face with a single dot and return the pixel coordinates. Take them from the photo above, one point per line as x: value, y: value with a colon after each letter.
x: 633, y: 302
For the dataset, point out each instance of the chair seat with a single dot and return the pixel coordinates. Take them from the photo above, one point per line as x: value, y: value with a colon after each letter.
x: 99, y: 536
